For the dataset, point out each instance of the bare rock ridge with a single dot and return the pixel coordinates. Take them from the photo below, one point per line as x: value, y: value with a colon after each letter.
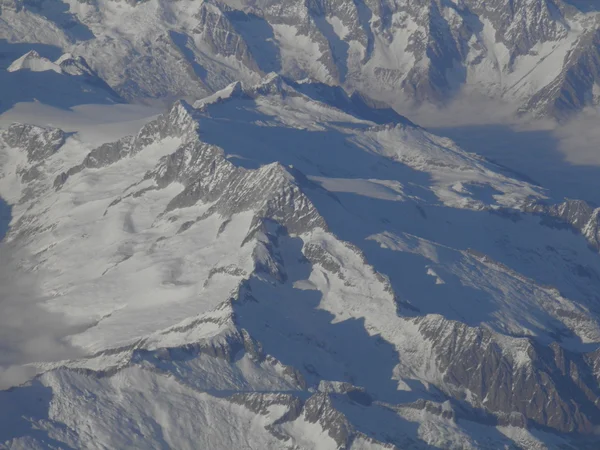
x: 39, y: 143
x: 541, y: 392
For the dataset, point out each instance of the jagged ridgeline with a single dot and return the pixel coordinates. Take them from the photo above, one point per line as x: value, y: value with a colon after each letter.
x: 541, y: 55
x: 282, y: 265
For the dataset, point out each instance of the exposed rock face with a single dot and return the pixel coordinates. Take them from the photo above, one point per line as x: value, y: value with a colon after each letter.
x: 575, y: 87
x: 447, y: 44
x: 542, y: 388
x: 209, y: 177
x: 523, y: 23
x: 177, y: 123
x: 320, y: 409
x: 576, y: 213
x: 546, y: 386
x: 423, y: 50
x: 260, y: 403
x: 216, y: 31
x: 38, y: 142
x: 254, y: 190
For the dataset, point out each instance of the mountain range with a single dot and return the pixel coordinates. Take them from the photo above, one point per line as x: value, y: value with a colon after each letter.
x: 282, y: 260
x: 542, y: 56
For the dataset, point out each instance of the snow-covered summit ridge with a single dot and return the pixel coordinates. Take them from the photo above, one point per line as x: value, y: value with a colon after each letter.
x: 336, y: 97
x: 65, y: 64
x: 426, y: 153
x: 63, y: 83
x: 34, y: 62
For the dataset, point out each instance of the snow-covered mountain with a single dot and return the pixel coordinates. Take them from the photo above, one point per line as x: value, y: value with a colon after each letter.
x: 282, y: 265
x: 541, y: 55
x: 281, y: 260
x: 63, y: 83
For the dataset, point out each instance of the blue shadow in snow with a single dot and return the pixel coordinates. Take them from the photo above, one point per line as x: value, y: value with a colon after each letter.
x: 291, y: 326
x: 67, y: 90
x: 10, y: 51
x: 20, y: 405
x: 182, y: 41
x: 585, y: 5
x: 59, y: 13
x: 5, y: 216
x: 258, y: 35
x: 522, y: 242
x: 534, y: 153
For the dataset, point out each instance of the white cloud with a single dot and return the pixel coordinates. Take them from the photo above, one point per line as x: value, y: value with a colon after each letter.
x: 562, y: 157
x: 579, y: 139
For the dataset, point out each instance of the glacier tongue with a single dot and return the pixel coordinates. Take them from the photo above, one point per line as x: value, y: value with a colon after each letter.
x: 287, y: 266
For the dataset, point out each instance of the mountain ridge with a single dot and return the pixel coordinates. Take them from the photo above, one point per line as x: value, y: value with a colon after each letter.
x: 541, y: 55
x: 250, y: 259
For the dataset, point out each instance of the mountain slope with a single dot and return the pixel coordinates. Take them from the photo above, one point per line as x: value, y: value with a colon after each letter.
x: 271, y: 271
x: 63, y: 83
x: 542, y: 55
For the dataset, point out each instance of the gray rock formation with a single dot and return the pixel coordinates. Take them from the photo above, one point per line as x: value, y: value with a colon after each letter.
x: 577, y: 214
x: 38, y: 142
x: 177, y: 123
x: 556, y: 388
x: 574, y: 88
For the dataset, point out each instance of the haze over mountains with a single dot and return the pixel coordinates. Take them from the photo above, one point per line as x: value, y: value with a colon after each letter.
x: 280, y: 259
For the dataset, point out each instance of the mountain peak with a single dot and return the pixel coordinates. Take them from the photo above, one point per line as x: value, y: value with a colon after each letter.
x: 180, y: 119
x: 33, y: 61
x: 534, y: 53
x: 38, y: 142
x: 233, y: 90
x: 74, y: 65
x: 272, y: 84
